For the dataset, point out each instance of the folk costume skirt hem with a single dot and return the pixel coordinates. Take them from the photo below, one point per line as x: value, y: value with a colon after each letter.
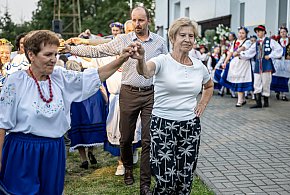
x: 32, y: 164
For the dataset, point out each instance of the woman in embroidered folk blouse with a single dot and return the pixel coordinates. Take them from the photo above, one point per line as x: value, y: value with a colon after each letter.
x: 175, y: 125
x: 35, y: 110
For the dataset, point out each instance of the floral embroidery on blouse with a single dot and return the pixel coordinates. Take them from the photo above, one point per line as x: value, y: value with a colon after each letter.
x: 48, y: 109
x: 8, y: 95
x: 69, y: 75
x: 2, y: 79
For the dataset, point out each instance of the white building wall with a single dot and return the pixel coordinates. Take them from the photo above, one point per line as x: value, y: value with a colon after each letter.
x: 257, y: 12
x: 288, y: 15
x: 161, y: 19
x: 222, y: 8
x: 207, y: 9
x: 199, y: 10
x: 272, y: 16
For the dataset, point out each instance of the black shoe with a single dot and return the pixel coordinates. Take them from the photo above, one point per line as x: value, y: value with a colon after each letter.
x: 145, y: 190
x: 241, y: 104
x: 221, y: 94
x: 92, y: 158
x: 128, y: 176
x: 278, y: 96
x: 284, y: 98
x: 266, y: 102
x: 228, y: 91
x: 258, y: 99
x: 256, y: 106
x: 85, y: 165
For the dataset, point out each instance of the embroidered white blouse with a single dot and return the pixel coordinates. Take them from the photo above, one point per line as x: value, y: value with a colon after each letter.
x: 22, y: 109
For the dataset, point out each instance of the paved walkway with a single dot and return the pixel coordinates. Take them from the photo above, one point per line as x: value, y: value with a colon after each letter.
x: 245, y: 151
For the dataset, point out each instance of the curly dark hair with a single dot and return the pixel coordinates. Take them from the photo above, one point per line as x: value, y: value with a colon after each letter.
x: 282, y: 27
x: 17, y: 40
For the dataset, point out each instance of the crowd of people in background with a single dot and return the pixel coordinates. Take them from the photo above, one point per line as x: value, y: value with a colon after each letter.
x: 131, y: 109
x: 249, y: 66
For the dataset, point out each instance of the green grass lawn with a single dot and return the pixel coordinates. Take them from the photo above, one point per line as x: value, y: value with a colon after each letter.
x: 101, y: 179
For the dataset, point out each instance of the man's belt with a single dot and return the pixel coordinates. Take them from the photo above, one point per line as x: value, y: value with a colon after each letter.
x: 146, y: 88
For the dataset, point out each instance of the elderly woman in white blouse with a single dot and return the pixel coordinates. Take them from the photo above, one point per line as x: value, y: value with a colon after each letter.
x: 175, y: 124
x: 35, y: 110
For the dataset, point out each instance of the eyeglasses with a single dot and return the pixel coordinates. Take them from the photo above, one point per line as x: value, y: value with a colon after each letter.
x: 116, y: 24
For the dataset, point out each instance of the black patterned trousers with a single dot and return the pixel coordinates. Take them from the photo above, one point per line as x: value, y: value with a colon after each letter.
x: 174, y: 154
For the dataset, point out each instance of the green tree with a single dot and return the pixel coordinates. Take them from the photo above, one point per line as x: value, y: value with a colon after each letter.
x: 43, y: 15
x: 95, y: 14
x: 7, y: 27
x: 100, y: 14
x: 9, y: 30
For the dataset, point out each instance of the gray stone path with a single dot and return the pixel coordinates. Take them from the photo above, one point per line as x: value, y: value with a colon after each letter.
x: 245, y: 151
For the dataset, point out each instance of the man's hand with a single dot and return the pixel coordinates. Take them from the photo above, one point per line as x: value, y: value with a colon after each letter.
x: 138, y: 51
x: 76, y: 41
x: 65, y: 49
x: 267, y: 57
x: 126, y: 53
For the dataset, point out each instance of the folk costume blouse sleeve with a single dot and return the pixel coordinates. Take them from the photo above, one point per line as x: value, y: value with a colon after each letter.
x: 8, y: 105
x: 247, y: 44
x: 249, y: 53
x: 220, y: 62
x: 78, y: 86
x: 277, y: 50
x: 23, y: 110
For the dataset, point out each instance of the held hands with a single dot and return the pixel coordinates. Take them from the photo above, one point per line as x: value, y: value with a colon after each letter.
x: 134, y: 50
x: 267, y: 57
x: 75, y: 41
x: 72, y: 41
x: 235, y: 54
x: 138, y: 51
x: 126, y: 53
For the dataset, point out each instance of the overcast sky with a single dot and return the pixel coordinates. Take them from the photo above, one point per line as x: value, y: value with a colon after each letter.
x: 20, y: 10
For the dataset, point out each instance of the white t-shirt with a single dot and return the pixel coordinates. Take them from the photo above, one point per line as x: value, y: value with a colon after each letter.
x: 176, y: 87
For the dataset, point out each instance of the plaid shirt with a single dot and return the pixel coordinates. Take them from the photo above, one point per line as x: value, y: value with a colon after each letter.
x: 153, y: 46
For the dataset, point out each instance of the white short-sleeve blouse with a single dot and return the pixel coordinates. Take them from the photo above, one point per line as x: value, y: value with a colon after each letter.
x: 176, y: 87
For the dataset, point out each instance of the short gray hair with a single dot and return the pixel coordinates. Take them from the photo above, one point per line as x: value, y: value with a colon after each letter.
x: 177, y: 24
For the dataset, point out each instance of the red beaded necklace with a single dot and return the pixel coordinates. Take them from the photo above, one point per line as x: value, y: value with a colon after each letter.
x: 39, y: 90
